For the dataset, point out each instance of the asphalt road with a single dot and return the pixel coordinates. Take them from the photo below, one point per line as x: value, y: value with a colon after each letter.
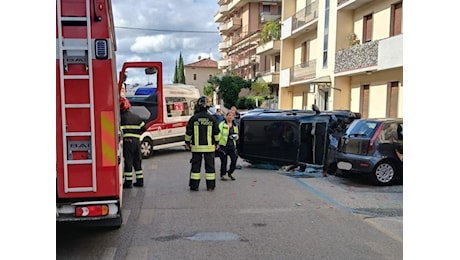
x: 263, y: 214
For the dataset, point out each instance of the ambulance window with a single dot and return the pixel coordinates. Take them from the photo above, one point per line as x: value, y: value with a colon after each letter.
x: 177, y: 106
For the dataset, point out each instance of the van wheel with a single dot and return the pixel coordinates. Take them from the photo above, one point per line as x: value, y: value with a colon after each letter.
x: 385, y: 173
x: 146, y: 148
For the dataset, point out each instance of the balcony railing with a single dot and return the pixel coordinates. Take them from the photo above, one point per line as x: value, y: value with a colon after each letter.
x: 304, y: 16
x: 225, y: 44
x: 270, y: 76
x: 304, y: 71
x: 269, y: 48
x: 267, y: 17
x: 357, y: 57
x: 223, y: 63
x: 380, y: 54
x: 233, y: 24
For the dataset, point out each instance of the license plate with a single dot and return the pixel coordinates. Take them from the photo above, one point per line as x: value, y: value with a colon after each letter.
x: 344, y: 166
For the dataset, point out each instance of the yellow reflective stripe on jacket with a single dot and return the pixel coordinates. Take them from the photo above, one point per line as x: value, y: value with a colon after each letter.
x: 196, y: 147
x: 131, y: 135
x: 132, y: 126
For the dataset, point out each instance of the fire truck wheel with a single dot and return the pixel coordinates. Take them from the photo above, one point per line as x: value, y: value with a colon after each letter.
x: 146, y: 148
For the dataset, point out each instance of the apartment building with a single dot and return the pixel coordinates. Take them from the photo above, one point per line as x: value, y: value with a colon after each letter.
x: 342, y: 54
x: 240, y: 24
x: 369, y: 56
x: 198, y: 73
x: 337, y: 54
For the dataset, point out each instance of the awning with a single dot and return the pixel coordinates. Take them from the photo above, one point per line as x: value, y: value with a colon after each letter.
x: 324, y: 83
x: 324, y: 79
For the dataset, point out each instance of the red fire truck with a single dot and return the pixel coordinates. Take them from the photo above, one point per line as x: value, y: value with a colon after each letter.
x: 89, y: 156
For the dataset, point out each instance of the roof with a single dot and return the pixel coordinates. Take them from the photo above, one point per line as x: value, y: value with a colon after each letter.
x: 203, y: 63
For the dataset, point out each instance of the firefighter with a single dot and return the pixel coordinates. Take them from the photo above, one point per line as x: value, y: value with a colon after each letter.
x: 202, y: 138
x: 132, y: 126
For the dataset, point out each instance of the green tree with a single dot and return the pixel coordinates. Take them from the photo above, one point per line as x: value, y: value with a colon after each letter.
x: 208, y: 90
x: 228, y: 88
x: 175, y: 79
x: 259, y: 88
x: 180, y: 70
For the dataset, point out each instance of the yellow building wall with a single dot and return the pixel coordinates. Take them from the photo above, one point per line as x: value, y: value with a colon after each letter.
x: 355, y: 98
x: 400, y: 102
x: 285, y: 96
x: 342, y: 94
x: 381, y: 15
x: 314, y: 51
x: 377, y: 100
x: 378, y: 88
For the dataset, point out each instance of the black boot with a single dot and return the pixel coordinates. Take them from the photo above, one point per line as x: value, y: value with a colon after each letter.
x: 139, y: 183
x: 127, y: 184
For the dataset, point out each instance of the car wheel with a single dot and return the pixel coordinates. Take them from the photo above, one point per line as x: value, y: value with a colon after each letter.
x: 384, y: 173
x: 146, y: 148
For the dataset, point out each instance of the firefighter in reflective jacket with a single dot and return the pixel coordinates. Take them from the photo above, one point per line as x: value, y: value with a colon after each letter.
x: 132, y: 126
x: 202, y: 138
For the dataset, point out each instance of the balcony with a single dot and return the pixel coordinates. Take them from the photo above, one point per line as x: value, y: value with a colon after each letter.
x: 269, y: 48
x: 246, y: 61
x: 351, y: 4
x: 303, y: 21
x: 223, y: 46
x: 233, y: 24
x: 219, y: 17
x: 267, y: 17
x: 271, y: 77
x: 298, y: 74
x: 375, y: 55
x: 223, y: 63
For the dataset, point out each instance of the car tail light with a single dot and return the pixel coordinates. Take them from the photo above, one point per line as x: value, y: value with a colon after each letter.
x: 371, y: 146
x: 91, y: 210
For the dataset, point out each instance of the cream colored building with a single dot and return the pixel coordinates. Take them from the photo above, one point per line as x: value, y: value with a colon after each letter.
x: 198, y: 73
x: 323, y: 63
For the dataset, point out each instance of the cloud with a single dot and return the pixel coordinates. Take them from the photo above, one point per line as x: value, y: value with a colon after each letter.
x: 151, y: 30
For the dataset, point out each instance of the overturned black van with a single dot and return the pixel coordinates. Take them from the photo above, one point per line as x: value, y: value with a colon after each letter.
x: 290, y: 137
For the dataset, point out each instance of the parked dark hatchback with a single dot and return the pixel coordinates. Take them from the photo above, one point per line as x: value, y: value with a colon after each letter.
x: 373, y: 147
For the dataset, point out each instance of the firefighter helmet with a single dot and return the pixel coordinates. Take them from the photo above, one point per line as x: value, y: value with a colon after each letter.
x: 202, y: 102
x: 124, y: 104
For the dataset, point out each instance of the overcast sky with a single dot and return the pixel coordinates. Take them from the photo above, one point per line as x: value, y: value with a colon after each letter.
x: 154, y: 30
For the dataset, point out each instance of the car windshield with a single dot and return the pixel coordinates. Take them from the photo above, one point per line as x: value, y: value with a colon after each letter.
x: 362, y: 128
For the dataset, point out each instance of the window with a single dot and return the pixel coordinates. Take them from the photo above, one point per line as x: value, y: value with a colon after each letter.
x: 392, y: 99
x: 364, y: 101
x: 305, y: 50
x: 367, y: 28
x: 194, y: 76
x: 396, y: 19
x: 277, y: 63
x: 177, y: 106
x: 326, y: 34
x: 265, y: 8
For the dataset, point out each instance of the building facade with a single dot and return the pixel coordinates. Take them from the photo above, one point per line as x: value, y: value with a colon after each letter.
x: 337, y: 54
x: 198, y: 73
x: 243, y: 54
